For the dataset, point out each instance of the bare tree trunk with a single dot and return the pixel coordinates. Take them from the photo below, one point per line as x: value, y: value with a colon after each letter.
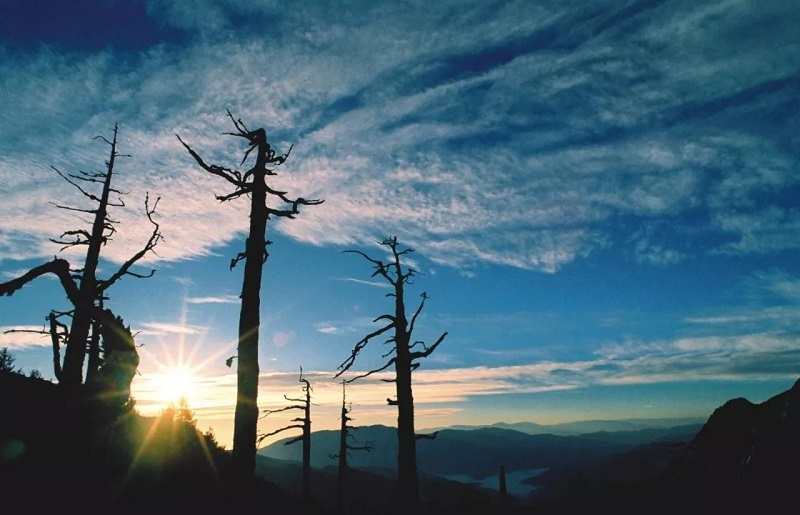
x: 252, y: 184
x: 344, y: 448
x: 408, y: 498
x: 307, y: 447
x: 342, y: 469
x: 94, y: 353
x: 246, y: 415
x: 75, y: 353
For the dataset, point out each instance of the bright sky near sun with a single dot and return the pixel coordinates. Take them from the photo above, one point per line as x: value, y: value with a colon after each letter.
x: 603, y: 197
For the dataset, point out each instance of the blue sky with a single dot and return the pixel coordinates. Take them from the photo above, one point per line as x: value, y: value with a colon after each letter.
x: 602, y: 197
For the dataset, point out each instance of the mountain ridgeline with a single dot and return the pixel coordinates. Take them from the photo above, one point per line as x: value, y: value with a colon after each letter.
x: 741, y: 460
x: 743, y: 457
x: 478, y: 452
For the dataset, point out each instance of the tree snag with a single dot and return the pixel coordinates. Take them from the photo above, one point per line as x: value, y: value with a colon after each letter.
x: 303, y: 423
x: 344, y: 451
x: 84, y: 290
x: 404, y: 361
x: 251, y: 184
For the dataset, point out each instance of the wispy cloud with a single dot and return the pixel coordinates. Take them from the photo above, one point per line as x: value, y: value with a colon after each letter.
x: 222, y: 299
x: 377, y: 284
x: 326, y: 328
x: 757, y: 356
x: 626, y: 362
x: 652, y: 111
x: 772, y: 285
x: 155, y: 328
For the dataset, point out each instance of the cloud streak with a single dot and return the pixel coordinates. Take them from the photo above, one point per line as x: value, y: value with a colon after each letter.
x: 19, y: 337
x: 655, y: 112
x: 160, y: 328
x: 755, y: 356
x: 222, y: 299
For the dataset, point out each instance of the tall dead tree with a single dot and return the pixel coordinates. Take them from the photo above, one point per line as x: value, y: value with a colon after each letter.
x: 303, y: 423
x: 404, y: 360
x: 251, y: 184
x: 85, y: 291
x: 344, y: 451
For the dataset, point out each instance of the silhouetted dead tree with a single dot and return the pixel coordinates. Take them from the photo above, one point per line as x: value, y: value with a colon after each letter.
x: 502, y: 486
x: 404, y: 362
x: 85, y: 291
x: 251, y: 184
x: 344, y: 451
x: 304, y: 424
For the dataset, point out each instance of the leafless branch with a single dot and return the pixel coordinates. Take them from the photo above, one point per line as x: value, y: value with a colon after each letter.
x: 240, y: 256
x: 57, y: 266
x: 428, y: 350
x: 368, y: 446
x: 380, y: 267
x: 244, y: 190
x: 76, y: 185
x: 289, y: 213
x: 155, y: 238
x: 287, y: 408
x: 232, y: 176
x: 239, y: 124
x: 360, y: 345
x: 95, y: 177
x: 68, y: 208
x: 361, y: 376
x: 294, y: 440
x: 261, y: 438
x: 41, y: 331
x: 416, y: 313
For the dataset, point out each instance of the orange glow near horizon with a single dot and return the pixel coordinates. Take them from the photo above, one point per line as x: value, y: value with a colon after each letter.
x: 174, y: 384
x: 173, y: 371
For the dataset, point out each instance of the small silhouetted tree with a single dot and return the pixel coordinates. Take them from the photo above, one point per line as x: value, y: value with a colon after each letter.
x: 6, y: 361
x: 251, y: 184
x: 84, y: 289
x: 303, y: 423
x: 405, y: 354
x: 344, y: 451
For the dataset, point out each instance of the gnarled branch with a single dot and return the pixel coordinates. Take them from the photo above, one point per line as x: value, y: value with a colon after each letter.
x: 57, y: 266
x: 155, y: 238
x: 428, y: 350
x: 360, y: 345
x: 232, y: 176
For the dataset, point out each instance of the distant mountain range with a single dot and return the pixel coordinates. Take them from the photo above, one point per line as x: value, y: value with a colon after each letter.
x: 480, y: 451
x: 743, y: 459
x: 588, y: 426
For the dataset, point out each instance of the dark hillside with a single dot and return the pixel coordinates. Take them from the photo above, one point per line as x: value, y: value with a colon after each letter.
x: 59, y: 453
x: 743, y: 460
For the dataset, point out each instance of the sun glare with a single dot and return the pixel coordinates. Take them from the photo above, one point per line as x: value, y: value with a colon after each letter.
x: 176, y: 383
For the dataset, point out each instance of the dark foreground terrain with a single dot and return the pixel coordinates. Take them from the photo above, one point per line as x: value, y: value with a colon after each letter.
x: 60, y: 454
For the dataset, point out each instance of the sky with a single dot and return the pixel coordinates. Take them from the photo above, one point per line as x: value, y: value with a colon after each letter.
x: 603, y: 198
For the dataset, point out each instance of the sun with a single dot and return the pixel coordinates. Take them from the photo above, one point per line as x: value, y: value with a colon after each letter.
x: 176, y: 383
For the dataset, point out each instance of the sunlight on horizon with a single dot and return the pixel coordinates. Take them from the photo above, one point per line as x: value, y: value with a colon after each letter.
x: 173, y: 371
x: 176, y: 384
